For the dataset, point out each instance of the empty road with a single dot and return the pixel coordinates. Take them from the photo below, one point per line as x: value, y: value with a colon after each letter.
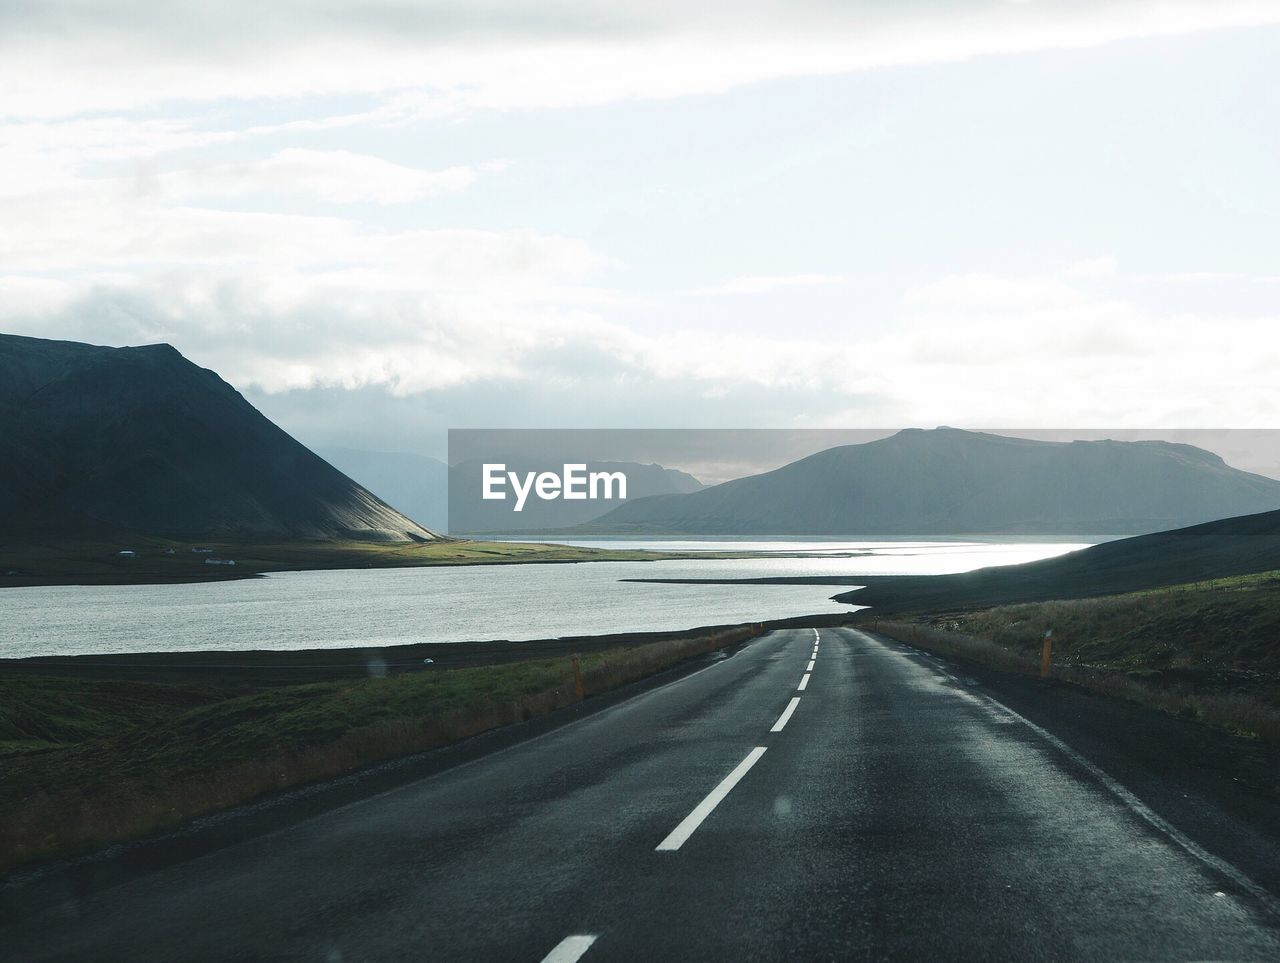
x: 817, y: 795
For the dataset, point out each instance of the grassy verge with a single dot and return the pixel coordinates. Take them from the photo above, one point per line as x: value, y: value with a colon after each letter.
x: 96, y: 761
x: 1206, y: 650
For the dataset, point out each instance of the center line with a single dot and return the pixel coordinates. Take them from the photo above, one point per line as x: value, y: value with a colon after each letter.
x: 570, y: 949
x: 786, y: 715
x: 812, y: 662
x: 804, y: 683
x: 692, y: 821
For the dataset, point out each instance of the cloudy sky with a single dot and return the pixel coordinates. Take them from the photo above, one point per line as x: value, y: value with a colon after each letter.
x: 384, y: 219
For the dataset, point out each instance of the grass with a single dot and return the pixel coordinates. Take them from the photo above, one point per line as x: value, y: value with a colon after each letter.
x: 1204, y: 650
x: 96, y: 560
x: 97, y: 761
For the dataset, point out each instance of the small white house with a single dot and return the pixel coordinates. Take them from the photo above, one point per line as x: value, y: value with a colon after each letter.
x: 127, y: 553
x: 219, y: 561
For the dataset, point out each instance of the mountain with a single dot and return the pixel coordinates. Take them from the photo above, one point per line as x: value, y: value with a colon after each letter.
x: 947, y: 481
x: 468, y: 512
x: 1218, y: 549
x: 417, y: 485
x: 96, y: 440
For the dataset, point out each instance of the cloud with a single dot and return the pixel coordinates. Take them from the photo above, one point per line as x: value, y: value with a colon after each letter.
x: 969, y: 350
x: 1096, y: 267
x: 65, y: 58
x: 765, y: 284
x: 332, y: 176
x: 139, y: 202
x: 118, y: 224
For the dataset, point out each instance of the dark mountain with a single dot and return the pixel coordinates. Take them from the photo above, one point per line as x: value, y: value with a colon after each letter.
x: 468, y: 512
x: 415, y: 484
x: 948, y: 481
x: 95, y: 440
x: 1218, y: 549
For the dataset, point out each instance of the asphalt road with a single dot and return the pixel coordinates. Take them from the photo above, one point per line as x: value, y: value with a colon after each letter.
x: 867, y: 806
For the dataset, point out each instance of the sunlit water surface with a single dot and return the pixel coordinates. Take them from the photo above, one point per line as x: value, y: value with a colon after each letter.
x: 396, y: 606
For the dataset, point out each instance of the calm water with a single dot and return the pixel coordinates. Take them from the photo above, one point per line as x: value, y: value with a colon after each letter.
x: 395, y: 606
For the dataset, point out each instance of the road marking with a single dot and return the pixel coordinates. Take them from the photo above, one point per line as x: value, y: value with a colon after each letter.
x: 570, y: 949
x: 786, y: 714
x: 691, y: 822
x: 804, y: 683
x: 816, y: 638
x: 812, y: 663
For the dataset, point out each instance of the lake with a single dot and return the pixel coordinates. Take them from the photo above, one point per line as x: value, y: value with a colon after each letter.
x: 367, y: 607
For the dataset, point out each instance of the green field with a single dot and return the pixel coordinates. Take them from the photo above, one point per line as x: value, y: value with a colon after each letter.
x: 1227, y: 625
x: 1205, y: 650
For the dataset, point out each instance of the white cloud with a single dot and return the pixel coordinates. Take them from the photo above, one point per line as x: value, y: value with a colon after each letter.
x: 66, y: 58
x: 763, y: 284
x: 109, y: 231
x: 333, y: 176
x: 1013, y: 351
x: 1095, y: 267
x: 111, y: 224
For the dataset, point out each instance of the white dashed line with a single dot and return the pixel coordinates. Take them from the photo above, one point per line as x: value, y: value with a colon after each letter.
x: 786, y: 714
x: 804, y: 683
x: 692, y: 821
x: 812, y: 663
x: 570, y: 949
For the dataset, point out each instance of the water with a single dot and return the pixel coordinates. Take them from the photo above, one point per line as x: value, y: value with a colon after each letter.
x: 396, y: 606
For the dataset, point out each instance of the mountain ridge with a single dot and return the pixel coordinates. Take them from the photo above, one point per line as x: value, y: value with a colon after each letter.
x: 948, y: 481
x: 140, y: 439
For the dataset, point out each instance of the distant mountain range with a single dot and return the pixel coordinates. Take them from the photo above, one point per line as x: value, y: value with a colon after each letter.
x: 949, y: 482
x: 96, y: 440
x: 469, y: 513
x: 418, y: 485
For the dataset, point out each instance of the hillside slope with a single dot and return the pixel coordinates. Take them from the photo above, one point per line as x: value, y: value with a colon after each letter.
x: 416, y: 485
x: 1220, y: 549
x: 96, y: 440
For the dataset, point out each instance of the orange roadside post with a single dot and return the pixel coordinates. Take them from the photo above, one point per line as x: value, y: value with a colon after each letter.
x: 1045, y: 653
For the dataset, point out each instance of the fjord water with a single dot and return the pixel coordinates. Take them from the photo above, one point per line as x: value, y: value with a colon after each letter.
x: 332, y: 609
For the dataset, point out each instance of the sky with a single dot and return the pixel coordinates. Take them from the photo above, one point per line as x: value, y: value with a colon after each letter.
x: 386, y: 219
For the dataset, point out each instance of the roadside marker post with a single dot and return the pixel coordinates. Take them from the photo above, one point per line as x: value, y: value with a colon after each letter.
x: 1045, y: 652
x: 577, y: 679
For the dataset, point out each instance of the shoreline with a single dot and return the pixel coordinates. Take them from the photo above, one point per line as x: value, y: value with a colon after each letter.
x: 170, y: 561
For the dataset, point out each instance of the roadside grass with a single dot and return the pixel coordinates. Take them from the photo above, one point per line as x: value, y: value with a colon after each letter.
x: 102, y: 761
x: 1208, y: 651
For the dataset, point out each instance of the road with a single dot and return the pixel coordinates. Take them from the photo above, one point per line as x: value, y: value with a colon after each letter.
x: 817, y: 795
